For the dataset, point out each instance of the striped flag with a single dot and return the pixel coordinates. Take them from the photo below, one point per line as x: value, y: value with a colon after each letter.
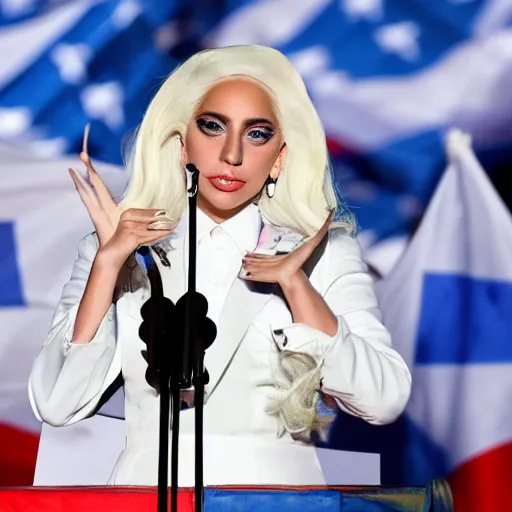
x: 448, y: 305
x: 41, y: 222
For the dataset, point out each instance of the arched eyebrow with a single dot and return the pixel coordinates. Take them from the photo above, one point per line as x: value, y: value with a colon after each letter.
x: 248, y: 122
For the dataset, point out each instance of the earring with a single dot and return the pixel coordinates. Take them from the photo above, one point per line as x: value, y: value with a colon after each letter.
x: 271, y: 186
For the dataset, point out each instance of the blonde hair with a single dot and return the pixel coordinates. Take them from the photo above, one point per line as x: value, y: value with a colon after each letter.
x: 304, y: 192
x: 295, y: 404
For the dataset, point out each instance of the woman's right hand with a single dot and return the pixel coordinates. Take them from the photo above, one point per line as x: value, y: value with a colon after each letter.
x: 120, y: 232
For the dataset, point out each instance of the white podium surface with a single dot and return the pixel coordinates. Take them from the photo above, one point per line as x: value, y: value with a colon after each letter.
x: 85, y: 453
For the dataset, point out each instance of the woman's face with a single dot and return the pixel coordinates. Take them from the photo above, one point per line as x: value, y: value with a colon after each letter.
x: 235, y: 141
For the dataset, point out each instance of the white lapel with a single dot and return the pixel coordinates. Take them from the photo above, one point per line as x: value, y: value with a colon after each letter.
x: 241, y: 306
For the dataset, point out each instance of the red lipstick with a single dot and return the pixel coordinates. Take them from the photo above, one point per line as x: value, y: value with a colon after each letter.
x: 226, y: 184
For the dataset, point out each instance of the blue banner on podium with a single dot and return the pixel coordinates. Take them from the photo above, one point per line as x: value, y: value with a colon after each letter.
x: 435, y: 497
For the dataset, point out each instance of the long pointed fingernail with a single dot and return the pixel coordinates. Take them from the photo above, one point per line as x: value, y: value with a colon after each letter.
x: 85, y: 141
x: 161, y: 225
x: 78, y: 175
x: 164, y: 218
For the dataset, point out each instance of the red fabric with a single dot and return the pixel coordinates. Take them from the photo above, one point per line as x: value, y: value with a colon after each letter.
x: 336, y: 148
x: 88, y: 499
x: 485, y: 482
x: 18, y: 453
x: 104, y: 499
x: 108, y: 498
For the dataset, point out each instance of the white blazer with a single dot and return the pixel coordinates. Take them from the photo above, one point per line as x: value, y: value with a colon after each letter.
x: 359, y: 367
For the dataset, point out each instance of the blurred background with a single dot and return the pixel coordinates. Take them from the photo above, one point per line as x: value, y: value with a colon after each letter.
x: 390, y: 79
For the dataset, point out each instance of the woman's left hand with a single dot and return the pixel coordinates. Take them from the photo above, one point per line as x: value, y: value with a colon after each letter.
x: 283, y: 268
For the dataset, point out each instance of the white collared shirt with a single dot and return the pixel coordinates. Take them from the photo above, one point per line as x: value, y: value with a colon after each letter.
x: 220, y: 248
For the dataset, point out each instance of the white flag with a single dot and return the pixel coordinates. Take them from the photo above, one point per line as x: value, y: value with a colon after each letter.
x: 448, y: 305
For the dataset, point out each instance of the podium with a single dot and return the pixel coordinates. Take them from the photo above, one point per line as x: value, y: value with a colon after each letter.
x: 435, y: 497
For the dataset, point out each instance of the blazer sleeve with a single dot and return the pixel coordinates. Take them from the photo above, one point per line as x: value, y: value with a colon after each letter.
x: 359, y: 367
x: 67, y: 380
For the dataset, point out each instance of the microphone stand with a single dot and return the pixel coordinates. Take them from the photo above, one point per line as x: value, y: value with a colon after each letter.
x: 200, y: 332
x: 202, y: 338
x: 157, y: 314
x: 176, y: 366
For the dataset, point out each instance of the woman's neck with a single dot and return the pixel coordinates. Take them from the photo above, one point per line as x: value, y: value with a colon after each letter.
x: 217, y: 215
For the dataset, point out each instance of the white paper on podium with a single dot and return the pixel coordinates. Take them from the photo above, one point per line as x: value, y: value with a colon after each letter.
x: 81, y: 454
x: 85, y: 454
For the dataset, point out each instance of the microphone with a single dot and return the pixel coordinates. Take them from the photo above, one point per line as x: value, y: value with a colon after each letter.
x: 177, y: 337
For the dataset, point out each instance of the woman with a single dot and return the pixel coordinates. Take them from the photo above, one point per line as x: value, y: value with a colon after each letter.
x: 243, y: 117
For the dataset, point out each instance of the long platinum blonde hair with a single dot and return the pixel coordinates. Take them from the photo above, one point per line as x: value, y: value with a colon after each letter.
x: 304, y: 194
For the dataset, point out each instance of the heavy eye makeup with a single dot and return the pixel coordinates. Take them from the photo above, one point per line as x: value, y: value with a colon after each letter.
x: 260, y: 135
x: 255, y: 134
x: 209, y: 126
